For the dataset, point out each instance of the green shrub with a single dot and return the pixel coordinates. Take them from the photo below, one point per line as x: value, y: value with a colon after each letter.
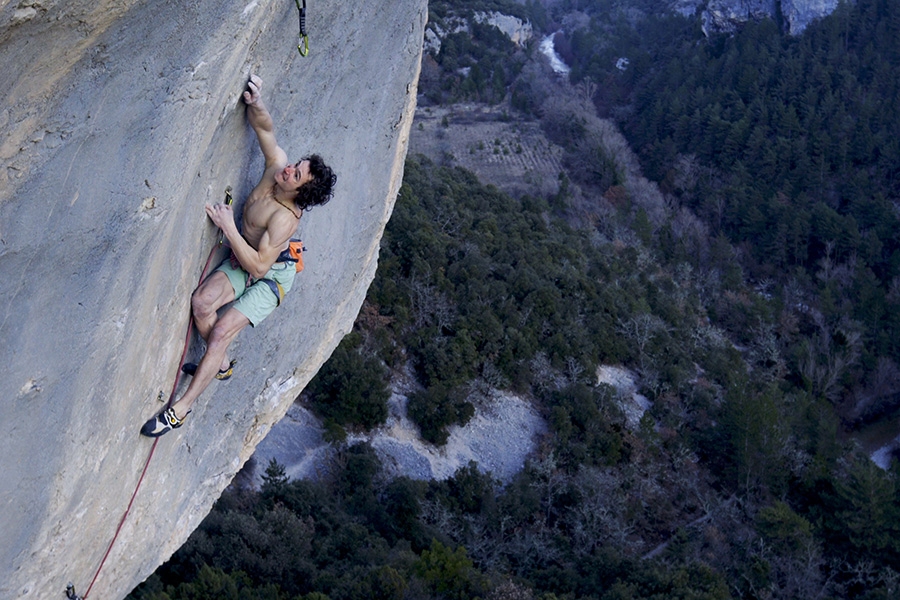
x: 584, y: 432
x: 435, y: 409
x: 351, y: 389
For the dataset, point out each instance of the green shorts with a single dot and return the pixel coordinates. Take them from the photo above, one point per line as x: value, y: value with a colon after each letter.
x: 257, y: 300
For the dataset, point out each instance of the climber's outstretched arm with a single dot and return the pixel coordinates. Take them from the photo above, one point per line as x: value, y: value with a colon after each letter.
x: 262, y: 124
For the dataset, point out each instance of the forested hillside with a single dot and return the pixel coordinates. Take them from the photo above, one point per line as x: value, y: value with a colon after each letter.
x: 733, y: 483
x: 789, y: 147
x: 753, y: 292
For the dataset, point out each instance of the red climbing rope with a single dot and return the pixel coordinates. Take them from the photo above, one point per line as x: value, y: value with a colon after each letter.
x: 187, y: 340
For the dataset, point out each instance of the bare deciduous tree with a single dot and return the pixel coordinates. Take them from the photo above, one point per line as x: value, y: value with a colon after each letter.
x: 549, y: 480
x: 545, y: 377
x: 646, y: 195
x: 826, y: 263
x: 586, y: 88
x: 430, y: 307
x: 601, y: 516
x: 879, y: 392
x: 823, y: 362
x: 641, y: 330
x: 509, y: 590
x: 687, y: 171
x: 765, y: 353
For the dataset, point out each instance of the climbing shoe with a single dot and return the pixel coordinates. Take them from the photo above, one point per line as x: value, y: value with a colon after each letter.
x: 162, y: 423
x: 222, y: 375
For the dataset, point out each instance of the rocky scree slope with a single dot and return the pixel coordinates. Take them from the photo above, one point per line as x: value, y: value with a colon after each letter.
x: 119, y: 121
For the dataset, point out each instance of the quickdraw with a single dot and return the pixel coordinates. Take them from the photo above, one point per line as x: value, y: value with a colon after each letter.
x: 303, y: 43
x: 229, y: 200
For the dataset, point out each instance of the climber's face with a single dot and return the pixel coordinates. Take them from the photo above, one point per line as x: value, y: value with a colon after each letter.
x: 291, y: 177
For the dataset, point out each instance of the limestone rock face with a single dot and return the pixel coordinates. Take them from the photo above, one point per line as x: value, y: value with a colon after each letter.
x: 119, y: 121
x: 798, y: 14
x: 725, y: 16
x: 517, y: 30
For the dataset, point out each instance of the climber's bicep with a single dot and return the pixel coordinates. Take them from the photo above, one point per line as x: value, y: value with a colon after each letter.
x: 275, y: 156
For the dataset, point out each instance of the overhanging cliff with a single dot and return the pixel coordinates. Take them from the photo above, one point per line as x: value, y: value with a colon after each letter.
x: 119, y: 121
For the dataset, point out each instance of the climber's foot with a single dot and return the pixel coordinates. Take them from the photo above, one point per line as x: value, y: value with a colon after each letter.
x: 162, y: 423
x: 223, y: 374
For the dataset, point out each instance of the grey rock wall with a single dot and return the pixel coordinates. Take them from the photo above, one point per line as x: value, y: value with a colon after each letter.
x: 797, y: 14
x: 118, y: 122
x: 519, y: 32
x: 725, y: 16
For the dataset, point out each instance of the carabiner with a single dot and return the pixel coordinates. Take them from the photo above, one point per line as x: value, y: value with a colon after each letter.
x: 303, y: 43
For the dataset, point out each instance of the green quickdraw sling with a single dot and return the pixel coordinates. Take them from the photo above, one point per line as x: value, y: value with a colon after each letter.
x: 303, y: 43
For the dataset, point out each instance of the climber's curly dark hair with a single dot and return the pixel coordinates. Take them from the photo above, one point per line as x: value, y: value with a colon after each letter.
x: 321, y: 189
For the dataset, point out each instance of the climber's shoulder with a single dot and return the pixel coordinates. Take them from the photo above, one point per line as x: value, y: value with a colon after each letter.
x: 276, y: 157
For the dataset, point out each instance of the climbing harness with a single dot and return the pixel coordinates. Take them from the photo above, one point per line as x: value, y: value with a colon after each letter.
x: 303, y: 43
x: 276, y: 289
x: 70, y: 589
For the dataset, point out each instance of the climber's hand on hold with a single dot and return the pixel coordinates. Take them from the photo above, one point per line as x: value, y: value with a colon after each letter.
x: 252, y: 96
x: 261, y: 121
x: 222, y: 216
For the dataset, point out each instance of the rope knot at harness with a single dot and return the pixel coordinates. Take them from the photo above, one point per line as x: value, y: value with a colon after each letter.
x: 303, y: 43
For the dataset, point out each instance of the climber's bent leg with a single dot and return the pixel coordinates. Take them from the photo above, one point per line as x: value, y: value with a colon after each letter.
x: 223, y: 333
x: 215, y: 292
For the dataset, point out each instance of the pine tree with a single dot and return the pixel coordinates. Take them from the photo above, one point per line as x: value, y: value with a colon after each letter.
x: 866, y: 514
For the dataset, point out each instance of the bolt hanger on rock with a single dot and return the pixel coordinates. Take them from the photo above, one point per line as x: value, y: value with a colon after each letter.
x: 303, y: 43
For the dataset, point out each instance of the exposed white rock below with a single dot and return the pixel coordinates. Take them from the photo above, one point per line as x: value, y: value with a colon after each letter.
x: 517, y: 30
x: 800, y: 13
x: 501, y: 435
x: 633, y: 404
x: 727, y: 15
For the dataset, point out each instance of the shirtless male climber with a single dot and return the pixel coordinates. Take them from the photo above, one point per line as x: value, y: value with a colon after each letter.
x: 258, y: 253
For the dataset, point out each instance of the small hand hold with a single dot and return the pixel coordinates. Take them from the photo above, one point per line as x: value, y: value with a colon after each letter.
x: 251, y: 96
x: 220, y: 214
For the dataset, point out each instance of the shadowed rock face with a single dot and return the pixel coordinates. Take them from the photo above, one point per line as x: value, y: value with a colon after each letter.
x: 727, y: 15
x: 119, y: 121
